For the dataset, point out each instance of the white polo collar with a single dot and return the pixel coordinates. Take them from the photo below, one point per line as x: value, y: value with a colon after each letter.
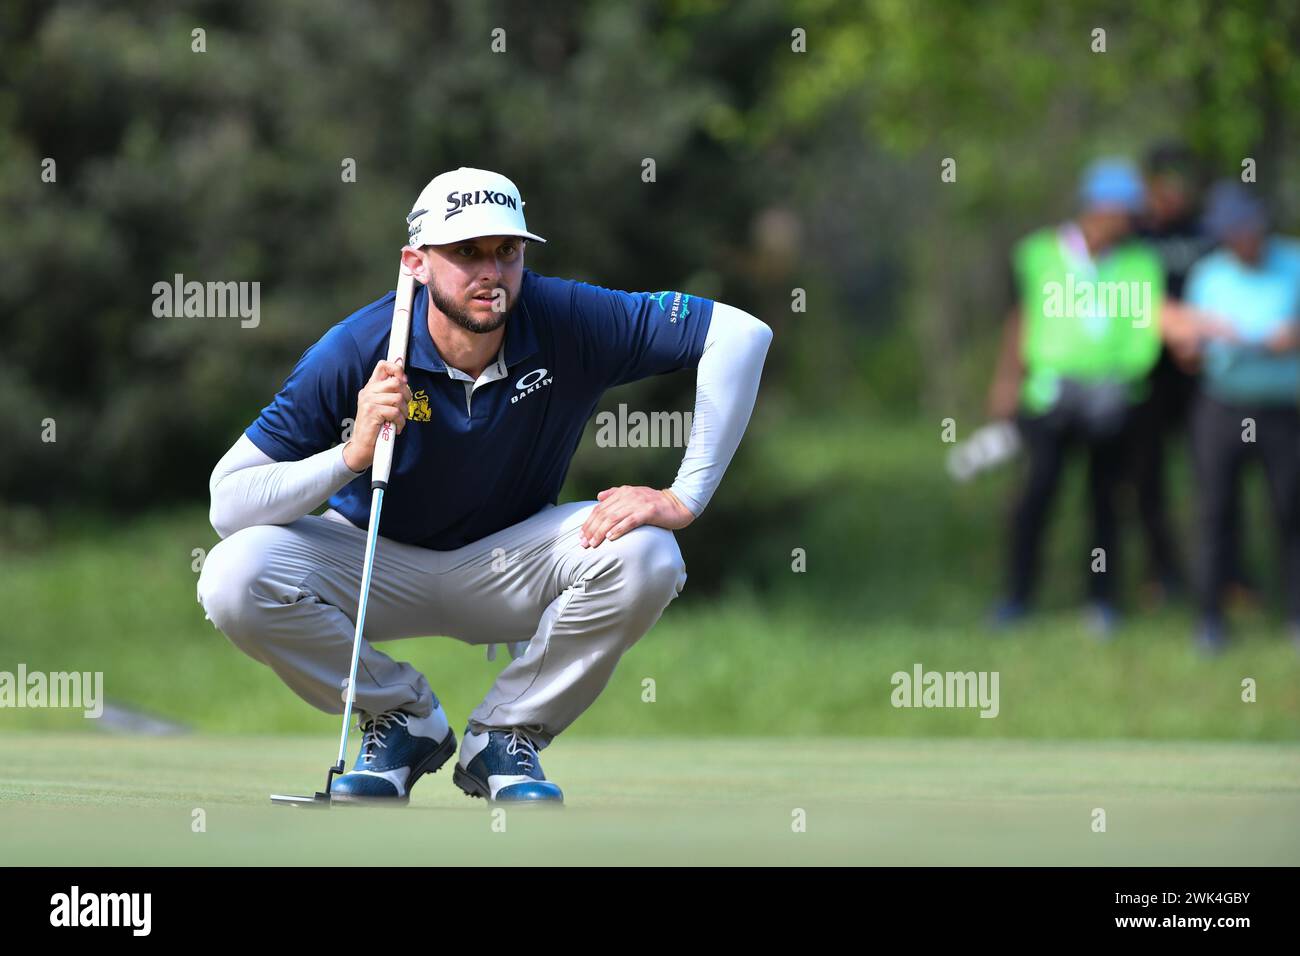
x: 494, y: 371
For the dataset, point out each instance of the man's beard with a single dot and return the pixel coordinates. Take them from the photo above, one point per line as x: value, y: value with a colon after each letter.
x: 462, y: 317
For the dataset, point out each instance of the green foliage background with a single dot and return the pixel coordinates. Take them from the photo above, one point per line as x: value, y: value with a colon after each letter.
x: 776, y: 170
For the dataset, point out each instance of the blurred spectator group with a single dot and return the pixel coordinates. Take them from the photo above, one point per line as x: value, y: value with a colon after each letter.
x: 1161, y: 306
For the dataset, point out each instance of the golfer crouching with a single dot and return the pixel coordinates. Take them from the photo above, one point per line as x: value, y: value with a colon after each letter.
x: 504, y: 368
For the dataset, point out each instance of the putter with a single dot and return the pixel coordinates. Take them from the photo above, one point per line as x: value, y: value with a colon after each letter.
x: 379, y: 472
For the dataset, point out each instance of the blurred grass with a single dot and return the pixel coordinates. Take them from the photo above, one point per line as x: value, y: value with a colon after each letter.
x: 902, y: 567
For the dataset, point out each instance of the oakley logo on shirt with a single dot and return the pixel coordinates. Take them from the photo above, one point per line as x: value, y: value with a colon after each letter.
x: 530, y: 383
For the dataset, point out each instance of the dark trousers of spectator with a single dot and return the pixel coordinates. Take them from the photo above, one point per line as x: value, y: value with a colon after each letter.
x: 1219, y: 451
x: 1163, y: 412
x: 1048, y: 440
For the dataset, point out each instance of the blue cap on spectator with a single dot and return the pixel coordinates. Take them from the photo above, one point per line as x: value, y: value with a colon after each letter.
x: 1112, y: 182
x: 1232, y: 209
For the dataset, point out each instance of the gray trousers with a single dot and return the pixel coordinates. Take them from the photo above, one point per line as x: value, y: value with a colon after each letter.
x: 287, y: 596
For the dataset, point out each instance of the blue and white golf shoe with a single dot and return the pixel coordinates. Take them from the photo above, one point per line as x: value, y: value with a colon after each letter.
x: 503, y: 766
x: 397, y: 749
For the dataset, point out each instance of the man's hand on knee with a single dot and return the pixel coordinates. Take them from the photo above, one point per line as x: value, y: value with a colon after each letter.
x: 621, y: 509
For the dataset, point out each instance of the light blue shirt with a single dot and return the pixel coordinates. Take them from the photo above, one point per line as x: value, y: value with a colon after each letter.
x: 1259, y: 301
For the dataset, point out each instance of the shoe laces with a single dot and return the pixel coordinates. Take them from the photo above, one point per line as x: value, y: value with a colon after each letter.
x: 374, y: 728
x: 521, y: 746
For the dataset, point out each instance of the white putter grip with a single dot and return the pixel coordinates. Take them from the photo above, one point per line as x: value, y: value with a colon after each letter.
x: 397, y: 339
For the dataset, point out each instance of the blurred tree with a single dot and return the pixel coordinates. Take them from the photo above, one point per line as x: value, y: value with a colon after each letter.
x: 1016, y: 94
x: 778, y: 172
x: 226, y: 165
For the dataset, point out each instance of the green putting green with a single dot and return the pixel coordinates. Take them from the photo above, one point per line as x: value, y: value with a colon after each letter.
x: 99, y: 799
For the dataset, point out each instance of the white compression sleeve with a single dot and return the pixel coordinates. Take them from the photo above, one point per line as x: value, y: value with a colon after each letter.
x: 726, y: 386
x: 250, y: 487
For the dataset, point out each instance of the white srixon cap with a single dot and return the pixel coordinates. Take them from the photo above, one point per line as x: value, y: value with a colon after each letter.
x: 464, y: 204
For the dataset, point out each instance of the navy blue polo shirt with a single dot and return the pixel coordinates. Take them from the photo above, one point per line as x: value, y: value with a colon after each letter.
x: 469, y: 465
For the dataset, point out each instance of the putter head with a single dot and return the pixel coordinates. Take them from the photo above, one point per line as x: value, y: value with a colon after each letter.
x: 320, y: 800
